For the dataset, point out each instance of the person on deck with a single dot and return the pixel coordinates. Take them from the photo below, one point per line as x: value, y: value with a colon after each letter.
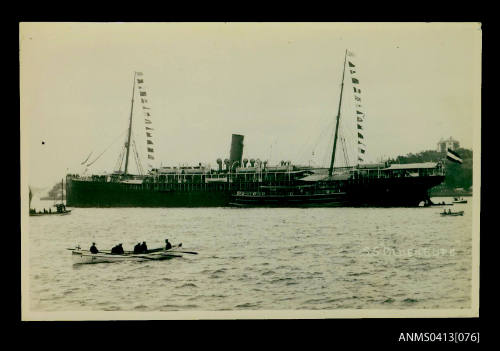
x: 144, y: 247
x: 118, y: 249
x: 167, y: 245
x: 137, y: 248
x: 93, y: 249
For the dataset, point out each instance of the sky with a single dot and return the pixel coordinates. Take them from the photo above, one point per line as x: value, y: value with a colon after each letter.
x: 278, y: 84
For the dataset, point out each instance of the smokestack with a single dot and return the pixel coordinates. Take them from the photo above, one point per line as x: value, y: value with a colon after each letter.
x: 236, y: 152
x: 252, y: 162
x: 245, y: 161
x: 219, y: 162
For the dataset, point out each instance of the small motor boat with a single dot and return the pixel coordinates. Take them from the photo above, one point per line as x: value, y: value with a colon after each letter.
x: 458, y: 213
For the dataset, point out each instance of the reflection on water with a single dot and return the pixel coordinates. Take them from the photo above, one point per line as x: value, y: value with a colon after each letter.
x: 273, y: 259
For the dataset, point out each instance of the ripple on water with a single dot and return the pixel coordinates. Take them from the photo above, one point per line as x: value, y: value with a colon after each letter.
x: 248, y: 305
x: 312, y: 256
x: 269, y: 272
x: 410, y: 300
x: 281, y: 280
x: 180, y: 307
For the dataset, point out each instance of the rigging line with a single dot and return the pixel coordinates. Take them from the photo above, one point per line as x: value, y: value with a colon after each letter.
x: 343, y: 144
x: 325, y: 130
x: 326, y: 151
x: 139, y: 163
x: 344, y: 149
x: 348, y: 160
x: 136, y: 156
x: 114, y: 141
x: 119, y: 161
x: 304, y: 147
x: 137, y: 159
x: 87, y: 158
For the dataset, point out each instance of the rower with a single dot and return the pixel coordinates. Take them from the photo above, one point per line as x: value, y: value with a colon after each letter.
x: 144, y: 248
x: 167, y: 245
x: 118, y: 249
x: 137, y: 248
x: 93, y: 249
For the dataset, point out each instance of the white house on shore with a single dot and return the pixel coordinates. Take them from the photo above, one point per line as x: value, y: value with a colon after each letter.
x: 444, y: 144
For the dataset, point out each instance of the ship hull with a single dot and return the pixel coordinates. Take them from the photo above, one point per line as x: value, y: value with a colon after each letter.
x: 404, y: 192
x: 107, y: 194
x: 399, y: 192
x: 296, y: 200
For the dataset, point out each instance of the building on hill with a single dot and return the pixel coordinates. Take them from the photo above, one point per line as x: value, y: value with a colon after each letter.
x: 445, y: 144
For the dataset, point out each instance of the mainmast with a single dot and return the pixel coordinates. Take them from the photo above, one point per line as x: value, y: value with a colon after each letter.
x: 130, y: 127
x: 330, y: 171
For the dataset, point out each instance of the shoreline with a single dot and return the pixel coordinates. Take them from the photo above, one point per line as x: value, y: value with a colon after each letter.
x: 449, y: 194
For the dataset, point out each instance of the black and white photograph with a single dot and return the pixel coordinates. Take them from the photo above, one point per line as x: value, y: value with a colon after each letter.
x: 249, y: 170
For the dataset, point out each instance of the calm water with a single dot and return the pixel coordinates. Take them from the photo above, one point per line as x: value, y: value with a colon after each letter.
x: 273, y: 259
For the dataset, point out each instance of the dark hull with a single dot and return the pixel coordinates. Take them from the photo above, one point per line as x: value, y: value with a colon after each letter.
x: 404, y: 192
x: 101, y: 194
x: 315, y: 200
x: 399, y: 192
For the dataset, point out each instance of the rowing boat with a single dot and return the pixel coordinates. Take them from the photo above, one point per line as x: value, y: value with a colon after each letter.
x: 157, y: 254
x: 84, y: 256
x: 65, y: 212
x: 459, y: 213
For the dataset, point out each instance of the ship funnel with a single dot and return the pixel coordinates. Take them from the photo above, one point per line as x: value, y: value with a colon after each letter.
x: 236, y: 152
x: 252, y: 162
x: 245, y: 161
x: 219, y: 162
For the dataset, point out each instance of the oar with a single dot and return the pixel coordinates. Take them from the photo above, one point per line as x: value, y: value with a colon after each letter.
x: 188, y: 252
x: 180, y: 245
x: 151, y: 258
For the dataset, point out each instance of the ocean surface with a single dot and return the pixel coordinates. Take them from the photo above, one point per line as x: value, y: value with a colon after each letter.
x: 255, y: 259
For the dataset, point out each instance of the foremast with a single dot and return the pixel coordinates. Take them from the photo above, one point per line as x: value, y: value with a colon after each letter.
x: 127, y: 145
x: 330, y: 170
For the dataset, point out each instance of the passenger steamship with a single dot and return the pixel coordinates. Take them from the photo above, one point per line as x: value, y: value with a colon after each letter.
x: 238, y: 181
